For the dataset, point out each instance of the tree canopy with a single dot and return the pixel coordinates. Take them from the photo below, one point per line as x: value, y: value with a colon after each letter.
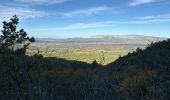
x: 16, y: 40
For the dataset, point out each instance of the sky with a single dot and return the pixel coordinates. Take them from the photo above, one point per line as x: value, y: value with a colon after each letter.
x: 85, y: 18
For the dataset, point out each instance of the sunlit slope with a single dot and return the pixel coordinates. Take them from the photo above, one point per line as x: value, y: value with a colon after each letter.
x: 143, y: 73
x: 104, y: 49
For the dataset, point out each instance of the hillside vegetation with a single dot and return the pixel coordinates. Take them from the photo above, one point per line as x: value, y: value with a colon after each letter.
x: 143, y: 74
x: 140, y: 75
x: 104, y: 49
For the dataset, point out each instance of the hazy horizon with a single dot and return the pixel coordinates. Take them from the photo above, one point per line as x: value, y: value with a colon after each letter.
x: 85, y: 49
x: 92, y: 36
x: 74, y: 18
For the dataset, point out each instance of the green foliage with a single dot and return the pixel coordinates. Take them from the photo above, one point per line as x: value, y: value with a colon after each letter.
x: 11, y: 38
x: 140, y: 75
x: 102, y: 54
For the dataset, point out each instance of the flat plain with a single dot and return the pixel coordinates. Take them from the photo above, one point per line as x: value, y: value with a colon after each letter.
x: 104, y: 49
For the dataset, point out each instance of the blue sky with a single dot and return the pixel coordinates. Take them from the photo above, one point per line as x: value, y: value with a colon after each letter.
x: 84, y: 18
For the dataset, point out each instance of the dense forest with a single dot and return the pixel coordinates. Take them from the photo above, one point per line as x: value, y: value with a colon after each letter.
x: 141, y: 75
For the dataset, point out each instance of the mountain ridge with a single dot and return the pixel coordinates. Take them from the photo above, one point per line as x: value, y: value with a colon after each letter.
x: 130, y: 36
x: 102, y: 38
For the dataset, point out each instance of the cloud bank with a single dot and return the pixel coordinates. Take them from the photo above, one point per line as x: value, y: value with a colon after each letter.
x: 42, y: 2
x: 23, y: 13
x: 140, y: 2
x: 85, y: 12
x: 164, y: 18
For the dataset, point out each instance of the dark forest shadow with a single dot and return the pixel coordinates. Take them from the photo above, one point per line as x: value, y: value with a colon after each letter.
x: 141, y: 75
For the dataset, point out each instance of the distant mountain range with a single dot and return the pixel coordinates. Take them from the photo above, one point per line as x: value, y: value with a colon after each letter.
x: 104, y: 38
x: 126, y: 37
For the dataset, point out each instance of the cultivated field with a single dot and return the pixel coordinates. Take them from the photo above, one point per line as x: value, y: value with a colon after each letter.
x: 103, y: 50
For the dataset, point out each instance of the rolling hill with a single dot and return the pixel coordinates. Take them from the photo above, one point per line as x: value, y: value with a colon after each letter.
x: 104, y: 39
x: 141, y: 75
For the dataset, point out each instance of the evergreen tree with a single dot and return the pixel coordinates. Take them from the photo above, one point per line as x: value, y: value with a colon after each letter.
x: 15, y: 40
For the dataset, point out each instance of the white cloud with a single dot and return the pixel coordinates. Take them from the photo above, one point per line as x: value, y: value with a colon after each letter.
x: 77, y: 26
x: 140, y: 2
x: 86, y: 12
x: 146, y: 21
x: 42, y: 2
x: 24, y: 13
x: 165, y: 18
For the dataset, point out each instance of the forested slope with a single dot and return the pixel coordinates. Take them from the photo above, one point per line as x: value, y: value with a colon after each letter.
x: 141, y: 75
x: 144, y: 74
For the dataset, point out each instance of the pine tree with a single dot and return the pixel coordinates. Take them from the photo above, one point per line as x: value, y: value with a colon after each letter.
x: 13, y: 39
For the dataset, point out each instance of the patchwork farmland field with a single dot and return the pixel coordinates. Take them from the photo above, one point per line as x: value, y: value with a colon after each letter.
x: 104, y: 49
